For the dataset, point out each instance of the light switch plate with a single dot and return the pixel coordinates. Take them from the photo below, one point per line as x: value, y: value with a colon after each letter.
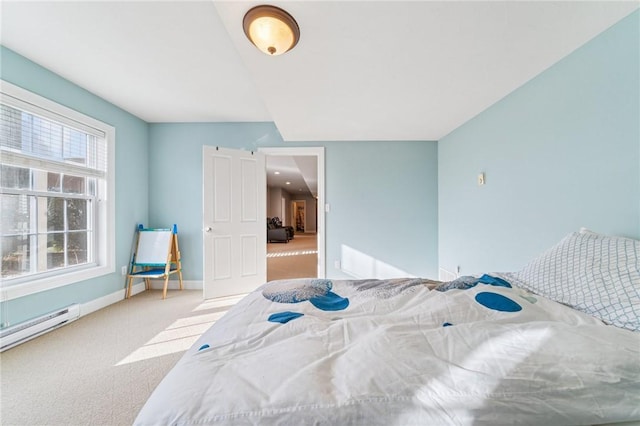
x: 481, y: 179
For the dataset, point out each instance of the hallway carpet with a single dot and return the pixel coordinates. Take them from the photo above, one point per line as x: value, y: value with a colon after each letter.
x: 296, y: 259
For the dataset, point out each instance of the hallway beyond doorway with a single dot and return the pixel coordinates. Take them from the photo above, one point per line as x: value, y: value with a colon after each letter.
x: 296, y: 259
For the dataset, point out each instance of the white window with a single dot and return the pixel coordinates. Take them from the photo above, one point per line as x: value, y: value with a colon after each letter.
x: 56, y: 194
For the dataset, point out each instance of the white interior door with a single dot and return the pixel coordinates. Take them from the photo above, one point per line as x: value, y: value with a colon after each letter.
x: 234, y: 221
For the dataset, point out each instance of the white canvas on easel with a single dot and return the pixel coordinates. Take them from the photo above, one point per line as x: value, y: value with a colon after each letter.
x: 153, y: 247
x: 156, y: 256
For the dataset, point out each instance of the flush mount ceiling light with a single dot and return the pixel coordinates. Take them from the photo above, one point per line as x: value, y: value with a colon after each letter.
x: 271, y: 29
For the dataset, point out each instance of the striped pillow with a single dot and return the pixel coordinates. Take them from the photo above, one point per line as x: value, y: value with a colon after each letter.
x: 593, y: 273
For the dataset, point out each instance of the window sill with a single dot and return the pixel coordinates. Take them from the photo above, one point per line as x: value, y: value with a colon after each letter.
x: 18, y: 290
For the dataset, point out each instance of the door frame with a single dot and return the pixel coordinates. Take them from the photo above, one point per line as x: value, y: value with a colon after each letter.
x: 318, y: 152
x: 283, y: 211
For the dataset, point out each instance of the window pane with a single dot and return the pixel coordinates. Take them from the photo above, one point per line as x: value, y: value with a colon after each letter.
x: 75, y: 146
x: 73, y: 184
x: 10, y: 127
x: 15, y: 255
x: 91, y: 183
x: 16, y: 214
x: 55, y: 214
x: 14, y: 177
x: 46, y: 137
x: 77, y: 248
x: 77, y: 214
x: 53, y: 182
x: 55, y: 251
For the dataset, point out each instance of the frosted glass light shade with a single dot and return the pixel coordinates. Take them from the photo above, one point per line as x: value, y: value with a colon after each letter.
x: 271, y: 29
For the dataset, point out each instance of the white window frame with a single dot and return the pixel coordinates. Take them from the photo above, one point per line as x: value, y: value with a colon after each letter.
x: 105, y: 227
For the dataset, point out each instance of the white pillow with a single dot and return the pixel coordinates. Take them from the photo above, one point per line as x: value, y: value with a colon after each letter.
x: 593, y: 273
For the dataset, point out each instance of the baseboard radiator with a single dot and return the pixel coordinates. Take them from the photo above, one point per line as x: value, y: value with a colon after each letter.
x: 20, y: 333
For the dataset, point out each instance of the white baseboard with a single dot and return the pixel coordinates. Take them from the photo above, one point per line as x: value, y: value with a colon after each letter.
x: 104, y: 301
x: 109, y: 299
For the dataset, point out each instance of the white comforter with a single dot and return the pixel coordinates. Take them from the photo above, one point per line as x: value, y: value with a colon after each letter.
x: 400, y: 354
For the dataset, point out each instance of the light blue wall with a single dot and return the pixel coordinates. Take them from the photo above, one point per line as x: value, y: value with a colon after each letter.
x: 383, y: 198
x: 383, y: 195
x: 561, y: 152
x: 132, y: 171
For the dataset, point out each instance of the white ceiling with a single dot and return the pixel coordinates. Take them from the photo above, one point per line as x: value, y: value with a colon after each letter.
x: 363, y: 70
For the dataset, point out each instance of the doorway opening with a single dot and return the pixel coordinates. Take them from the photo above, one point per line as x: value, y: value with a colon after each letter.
x: 295, y: 192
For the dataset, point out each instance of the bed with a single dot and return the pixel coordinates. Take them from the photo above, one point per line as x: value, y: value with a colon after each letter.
x: 557, y: 342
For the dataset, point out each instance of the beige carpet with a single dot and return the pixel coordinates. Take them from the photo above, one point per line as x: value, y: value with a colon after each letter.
x: 296, y: 259
x: 100, y: 369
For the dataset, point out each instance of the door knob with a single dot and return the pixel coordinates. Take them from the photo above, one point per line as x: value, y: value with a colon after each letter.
x: 207, y: 229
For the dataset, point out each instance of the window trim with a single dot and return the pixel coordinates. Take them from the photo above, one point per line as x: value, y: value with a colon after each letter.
x: 105, y: 229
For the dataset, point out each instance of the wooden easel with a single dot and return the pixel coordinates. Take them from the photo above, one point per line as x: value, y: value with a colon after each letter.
x: 156, y: 256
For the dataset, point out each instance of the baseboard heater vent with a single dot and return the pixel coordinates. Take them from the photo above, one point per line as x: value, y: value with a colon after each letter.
x: 20, y: 333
